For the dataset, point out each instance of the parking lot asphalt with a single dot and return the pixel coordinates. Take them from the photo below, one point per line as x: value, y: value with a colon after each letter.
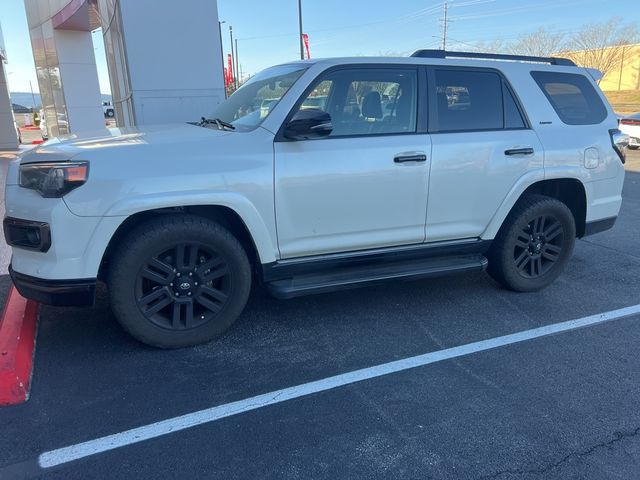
x: 563, y: 406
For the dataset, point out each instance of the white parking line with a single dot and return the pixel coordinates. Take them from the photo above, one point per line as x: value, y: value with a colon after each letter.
x: 110, y: 442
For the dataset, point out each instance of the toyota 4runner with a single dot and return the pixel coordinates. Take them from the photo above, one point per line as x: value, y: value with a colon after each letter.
x: 319, y: 175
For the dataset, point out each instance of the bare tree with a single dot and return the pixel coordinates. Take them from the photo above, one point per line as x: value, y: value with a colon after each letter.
x: 602, y: 45
x: 541, y: 43
x: 493, y: 46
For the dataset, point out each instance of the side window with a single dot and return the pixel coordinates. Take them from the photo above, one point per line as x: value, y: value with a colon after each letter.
x: 572, y: 96
x: 318, y: 96
x: 468, y: 100
x: 367, y: 101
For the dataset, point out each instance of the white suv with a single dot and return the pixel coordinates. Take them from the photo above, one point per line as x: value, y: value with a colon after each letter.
x: 353, y: 172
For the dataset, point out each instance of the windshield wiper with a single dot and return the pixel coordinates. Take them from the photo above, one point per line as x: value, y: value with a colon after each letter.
x: 221, y: 124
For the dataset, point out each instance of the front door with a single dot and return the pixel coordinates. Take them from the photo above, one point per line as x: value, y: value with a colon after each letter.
x: 365, y: 185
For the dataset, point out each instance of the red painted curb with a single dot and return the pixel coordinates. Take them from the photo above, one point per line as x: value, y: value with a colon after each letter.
x: 37, y: 142
x: 17, y: 344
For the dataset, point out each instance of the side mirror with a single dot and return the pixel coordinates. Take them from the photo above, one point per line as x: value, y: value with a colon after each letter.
x: 307, y: 124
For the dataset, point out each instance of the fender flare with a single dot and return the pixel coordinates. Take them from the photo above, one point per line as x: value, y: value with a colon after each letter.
x: 264, y: 240
x: 509, y: 201
x: 523, y: 183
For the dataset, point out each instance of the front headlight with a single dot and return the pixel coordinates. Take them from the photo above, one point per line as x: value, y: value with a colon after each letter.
x: 53, y: 180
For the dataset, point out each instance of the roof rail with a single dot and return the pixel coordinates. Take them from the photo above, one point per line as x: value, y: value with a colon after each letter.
x: 492, y: 56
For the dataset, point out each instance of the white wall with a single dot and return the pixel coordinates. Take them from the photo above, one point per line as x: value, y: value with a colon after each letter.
x: 8, y: 136
x: 77, y: 64
x: 174, y: 64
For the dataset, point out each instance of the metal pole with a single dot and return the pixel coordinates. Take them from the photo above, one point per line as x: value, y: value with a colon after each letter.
x: 33, y: 97
x: 237, y: 64
x: 300, y: 25
x: 235, y: 79
x: 444, y: 26
x: 224, y: 80
x: 621, y: 68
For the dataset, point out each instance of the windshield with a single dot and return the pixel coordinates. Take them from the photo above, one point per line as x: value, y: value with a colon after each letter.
x: 247, y: 108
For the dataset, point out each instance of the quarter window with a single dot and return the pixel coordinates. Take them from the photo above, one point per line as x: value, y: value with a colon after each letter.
x: 572, y: 96
x: 367, y: 101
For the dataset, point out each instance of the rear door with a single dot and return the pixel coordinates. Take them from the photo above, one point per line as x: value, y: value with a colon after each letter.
x: 481, y: 145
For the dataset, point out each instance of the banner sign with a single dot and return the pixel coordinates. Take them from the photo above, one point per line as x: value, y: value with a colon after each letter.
x: 305, y: 39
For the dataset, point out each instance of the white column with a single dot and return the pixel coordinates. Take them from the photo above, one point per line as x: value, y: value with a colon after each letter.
x: 8, y: 136
x: 77, y: 63
x: 164, y: 61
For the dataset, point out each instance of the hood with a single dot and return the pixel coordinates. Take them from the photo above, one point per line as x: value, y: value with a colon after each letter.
x: 67, y: 147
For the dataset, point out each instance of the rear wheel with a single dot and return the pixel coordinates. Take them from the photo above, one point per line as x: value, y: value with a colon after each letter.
x: 179, y: 281
x: 534, y: 244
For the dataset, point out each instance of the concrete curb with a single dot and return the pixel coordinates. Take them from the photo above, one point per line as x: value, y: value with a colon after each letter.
x: 17, y: 345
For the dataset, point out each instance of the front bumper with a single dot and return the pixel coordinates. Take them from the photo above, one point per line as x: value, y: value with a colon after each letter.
x: 62, y: 293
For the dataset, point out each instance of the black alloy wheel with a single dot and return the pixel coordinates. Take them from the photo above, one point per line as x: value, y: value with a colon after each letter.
x: 183, y: 287
x: 538, y: 246
x: 533, y: 245
x: 178, y: 280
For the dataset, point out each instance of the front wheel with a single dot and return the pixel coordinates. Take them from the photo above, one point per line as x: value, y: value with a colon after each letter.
x: 533, y: 245
x: 178, y: 280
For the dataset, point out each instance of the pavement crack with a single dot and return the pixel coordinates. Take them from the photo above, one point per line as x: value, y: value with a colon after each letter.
x: 617, y: 437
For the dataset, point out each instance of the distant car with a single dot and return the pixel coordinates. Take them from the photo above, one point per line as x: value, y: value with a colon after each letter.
x: 108, y: 110
x: 20, y: 108
x: 630, y: 124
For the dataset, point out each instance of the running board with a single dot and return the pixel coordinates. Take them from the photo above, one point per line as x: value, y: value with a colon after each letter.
x: 364, y: 275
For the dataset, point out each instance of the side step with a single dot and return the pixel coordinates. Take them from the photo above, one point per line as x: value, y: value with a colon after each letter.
x: 343, y: 278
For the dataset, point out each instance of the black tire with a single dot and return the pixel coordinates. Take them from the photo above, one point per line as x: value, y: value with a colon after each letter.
x: 110, y: 114
x: 178, y: 280
x: 533, y: 245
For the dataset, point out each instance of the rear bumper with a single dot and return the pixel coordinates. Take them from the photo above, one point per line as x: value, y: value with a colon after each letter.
x: 62, y: 293
x: 598, y: 226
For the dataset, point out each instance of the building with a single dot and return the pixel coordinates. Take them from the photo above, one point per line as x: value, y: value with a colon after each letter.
x: 8, y: 135
x: 627, y: 75
x: 164, y: 60
x: 623, y: 65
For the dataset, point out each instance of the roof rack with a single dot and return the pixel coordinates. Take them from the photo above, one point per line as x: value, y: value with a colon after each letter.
x: 492, y: 56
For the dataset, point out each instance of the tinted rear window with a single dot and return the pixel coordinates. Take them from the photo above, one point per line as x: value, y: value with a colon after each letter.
x: 474, y: 100
x: 572, y: 96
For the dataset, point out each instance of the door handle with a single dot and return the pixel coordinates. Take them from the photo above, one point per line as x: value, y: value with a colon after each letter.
x: 519, y: 151
x: 410, y: 157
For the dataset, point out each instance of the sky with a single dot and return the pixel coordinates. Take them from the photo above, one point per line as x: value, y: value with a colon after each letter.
x: 267, y: 30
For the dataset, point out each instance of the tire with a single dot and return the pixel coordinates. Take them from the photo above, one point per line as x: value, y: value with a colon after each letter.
x: 110, y: 114
x: 533, y: 245
x: 178, y: 281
